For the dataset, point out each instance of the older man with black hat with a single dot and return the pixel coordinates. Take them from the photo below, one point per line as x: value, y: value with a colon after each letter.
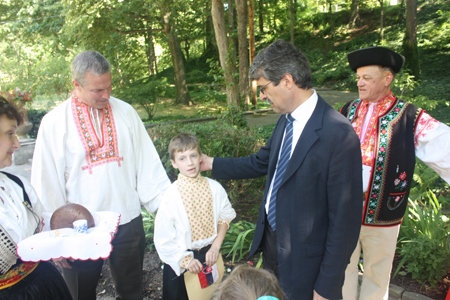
x: 392, y: 132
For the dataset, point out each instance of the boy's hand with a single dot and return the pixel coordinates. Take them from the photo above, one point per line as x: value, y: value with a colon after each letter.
x: 195, y: 266
x: 206, y: 163
x: 211, y: 256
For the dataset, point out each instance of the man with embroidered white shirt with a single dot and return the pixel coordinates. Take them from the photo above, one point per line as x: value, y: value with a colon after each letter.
x: 392, y: 132
x: 308, y: 221
x: 94, y: 150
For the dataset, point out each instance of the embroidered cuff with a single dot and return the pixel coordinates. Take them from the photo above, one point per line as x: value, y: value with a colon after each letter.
x: 186, y: 261
x: 224, y: 222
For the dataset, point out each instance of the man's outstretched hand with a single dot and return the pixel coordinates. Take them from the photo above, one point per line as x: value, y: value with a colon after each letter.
x: 206, y: 163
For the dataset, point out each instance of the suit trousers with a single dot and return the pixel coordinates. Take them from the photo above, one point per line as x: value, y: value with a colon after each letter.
x: 125, y: 262
x: 378, y: 246
x: 269, y: 248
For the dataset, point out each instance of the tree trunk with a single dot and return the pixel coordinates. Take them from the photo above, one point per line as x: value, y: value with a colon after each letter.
x: 354, y: 13
x: 292, y: 20
x: 150, y: 52
x: 331, y: 19
x: 252, y: 48
x: 227, y: 64
x: 179, y: 73
x: 232, y: 30
x: 410, y: 49
x: 381, y: 19
x: 244, y: 84
x: 260, y: 16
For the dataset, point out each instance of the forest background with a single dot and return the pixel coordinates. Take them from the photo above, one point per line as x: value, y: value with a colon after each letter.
x: 178, y: 59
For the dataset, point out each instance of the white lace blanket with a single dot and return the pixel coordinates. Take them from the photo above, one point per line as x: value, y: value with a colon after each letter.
x: 94, y: 244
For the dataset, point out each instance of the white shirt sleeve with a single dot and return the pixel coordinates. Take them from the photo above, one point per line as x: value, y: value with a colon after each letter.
x: 172, y: 230
x: 151, y: 176
x: 432, y: 144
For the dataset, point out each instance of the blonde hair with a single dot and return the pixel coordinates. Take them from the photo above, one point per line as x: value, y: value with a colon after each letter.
x: 250, y: 284
x: 183, y: 142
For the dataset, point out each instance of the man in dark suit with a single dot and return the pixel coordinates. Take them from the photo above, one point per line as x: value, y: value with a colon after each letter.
x: 310, y: 215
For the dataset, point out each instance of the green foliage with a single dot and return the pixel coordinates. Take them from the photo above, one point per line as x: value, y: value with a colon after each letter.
x: 424, y: 241
x: 145, y: 94
x: 148, y: 220
x: 238, y: 240
x: 217, y: 139
x: 425, y: 259
x: 233, y: 116
x: 425, y: 179
x: 35, y: 117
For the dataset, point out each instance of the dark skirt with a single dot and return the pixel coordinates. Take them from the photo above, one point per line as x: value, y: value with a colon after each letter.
x: 44, y: 283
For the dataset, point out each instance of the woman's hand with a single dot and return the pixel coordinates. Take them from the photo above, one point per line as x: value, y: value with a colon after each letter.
x: 62, y: 262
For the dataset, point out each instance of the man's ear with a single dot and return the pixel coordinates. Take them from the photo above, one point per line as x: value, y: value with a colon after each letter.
x: 174, y: 165
x: 75, y: 84
x: 389, y: 78
x: 288, y: 80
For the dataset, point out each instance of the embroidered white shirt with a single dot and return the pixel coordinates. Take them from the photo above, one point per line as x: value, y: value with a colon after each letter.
x: 117, y: 175
x: 432, y: 143
x: 15, y: 217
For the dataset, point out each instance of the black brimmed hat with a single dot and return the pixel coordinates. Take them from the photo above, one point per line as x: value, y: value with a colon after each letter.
x: 375, y: 56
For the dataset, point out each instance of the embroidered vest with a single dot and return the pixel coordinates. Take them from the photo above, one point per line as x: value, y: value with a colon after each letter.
x: 393, y: 165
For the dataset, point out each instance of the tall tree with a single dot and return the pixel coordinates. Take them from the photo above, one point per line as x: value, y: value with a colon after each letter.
x: 292, y: 13
x: 410, y: 49
x: 381, y: 19
x: 227, y: 64
x: 244, y: 85
x: 354, y: 13
x: 232, y: 30
x: 179, y: 73
x: 252, y: 48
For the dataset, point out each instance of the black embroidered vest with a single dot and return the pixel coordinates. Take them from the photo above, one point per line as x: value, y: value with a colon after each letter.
x: 393, y: 165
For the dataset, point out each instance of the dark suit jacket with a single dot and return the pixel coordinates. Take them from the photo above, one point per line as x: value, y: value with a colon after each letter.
x: 319, y: 202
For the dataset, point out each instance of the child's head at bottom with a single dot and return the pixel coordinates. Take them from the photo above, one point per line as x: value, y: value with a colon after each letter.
x: 250, y: 284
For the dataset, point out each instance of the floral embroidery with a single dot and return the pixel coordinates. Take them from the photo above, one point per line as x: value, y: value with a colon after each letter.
x: 382, y: 153
x: 425, y: 124
x: 368, y: 141
x: 95, y: 154
x: 400, y: 182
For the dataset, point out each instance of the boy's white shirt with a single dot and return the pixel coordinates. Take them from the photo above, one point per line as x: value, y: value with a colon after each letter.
x: 172, y: 235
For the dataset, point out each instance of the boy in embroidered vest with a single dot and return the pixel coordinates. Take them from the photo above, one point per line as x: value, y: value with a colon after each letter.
x: 392, y: 132
x: 192, y: 219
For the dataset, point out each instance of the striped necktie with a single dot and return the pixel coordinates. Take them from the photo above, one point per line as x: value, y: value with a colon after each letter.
x: 283, y: 161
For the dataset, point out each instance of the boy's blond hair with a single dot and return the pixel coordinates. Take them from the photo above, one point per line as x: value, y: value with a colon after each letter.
x: 250, y: 284
x: 183, y: 142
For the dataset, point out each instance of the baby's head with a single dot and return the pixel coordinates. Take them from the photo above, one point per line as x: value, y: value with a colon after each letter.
x: 249, y: 283
x: 64, y: 216
x: 185, y: 154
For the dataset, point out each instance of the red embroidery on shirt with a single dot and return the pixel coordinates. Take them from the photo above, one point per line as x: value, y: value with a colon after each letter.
x: 369, y: 141
x: 96, y: 155
x: 425, y: 124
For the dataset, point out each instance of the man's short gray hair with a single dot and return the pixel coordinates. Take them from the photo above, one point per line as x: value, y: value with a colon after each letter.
x: 89, y: 61
x: 282, y: 58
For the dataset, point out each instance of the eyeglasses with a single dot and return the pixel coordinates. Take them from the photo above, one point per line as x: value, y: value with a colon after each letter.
x: 262, y: 88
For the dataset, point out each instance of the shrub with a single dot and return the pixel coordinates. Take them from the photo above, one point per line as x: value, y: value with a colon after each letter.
x: 424, y: 241
x: 238, y: 240
x: 148, y: 219
x: 35, y: 117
